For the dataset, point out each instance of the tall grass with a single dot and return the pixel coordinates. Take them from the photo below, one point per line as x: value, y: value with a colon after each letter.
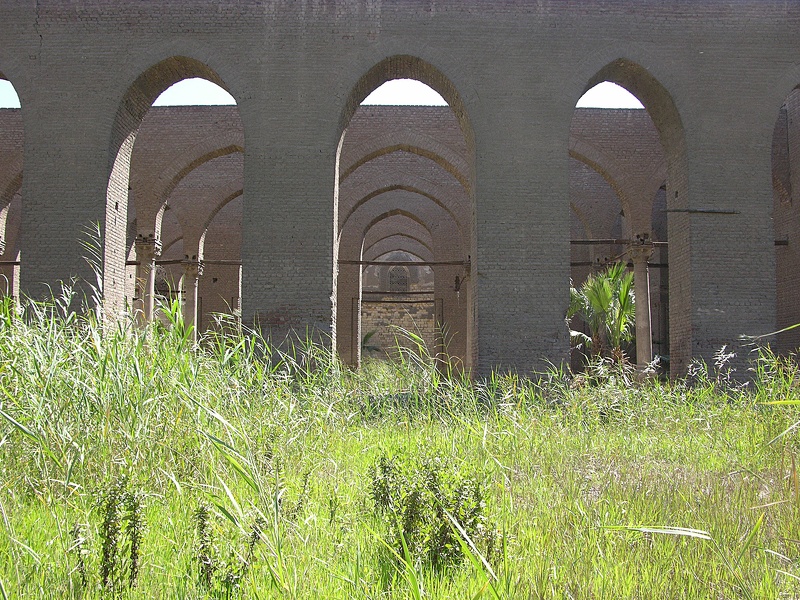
x: 247, y: 471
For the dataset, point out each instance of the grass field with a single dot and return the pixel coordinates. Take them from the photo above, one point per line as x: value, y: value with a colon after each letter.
x: 132, y: 465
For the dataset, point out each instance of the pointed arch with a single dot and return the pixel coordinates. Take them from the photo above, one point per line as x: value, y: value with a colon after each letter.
x: 346, y: 319
x: 134, y: 105
x: 210, y: 218
x: 405, y: 66
x: 661, y: 107
x: 11, y: 176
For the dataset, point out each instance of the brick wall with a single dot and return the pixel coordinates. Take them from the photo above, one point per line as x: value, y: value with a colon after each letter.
x: 712, y: 75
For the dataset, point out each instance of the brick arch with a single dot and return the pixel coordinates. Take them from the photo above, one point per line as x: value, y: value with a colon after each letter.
x: 582, y: 218
x: 394, y: 225
x: 785, y: 85
x: 133, y: 106
x: 405, y: 188
x: 396, y: 212
x: 414, y: 143
x: 11, y: 226
x: 443, y: 229
x: 11, y: 174
x: 659, y: 214
x: 11, y: 154
x: 225, y: 201
x: 173, y: 231
x: 352, y: 248
x: 404, y: 66
x: 395, y: 241
x: 403, y: 170
x: 12, y: 184
x: 785, y: 168
x: 414, y: 258
x: 148, y: 86
x: 171, y: 243
x: 655, y: 98
x: 594, y: 158
x: 661, y: 107
x: 4, y: 77
x: 633, y: 183
x: 197, y: 198
x: 7, y: 196
x: 412, y: 67
x: 353, y: 243
x: 781, y: 153
x: 156, y: 198
x: 382, y: 225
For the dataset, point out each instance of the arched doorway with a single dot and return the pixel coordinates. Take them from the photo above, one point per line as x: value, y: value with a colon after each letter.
x: 405, y: 173
x: 786, y: 218
x: 636, y: 156
x: 11, y: 158
x: 186, y: 159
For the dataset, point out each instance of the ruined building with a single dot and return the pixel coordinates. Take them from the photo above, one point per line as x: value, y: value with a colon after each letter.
x: 281, y: 206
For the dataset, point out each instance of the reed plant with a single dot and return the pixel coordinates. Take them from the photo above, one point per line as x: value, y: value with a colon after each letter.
x: 235, y: 468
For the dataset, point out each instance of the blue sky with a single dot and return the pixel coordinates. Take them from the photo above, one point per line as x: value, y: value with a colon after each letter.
x: 399, y: 91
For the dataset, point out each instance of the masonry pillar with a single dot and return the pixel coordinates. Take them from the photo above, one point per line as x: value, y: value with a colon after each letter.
x: 639, y: 254
x: 348, y: 313
x: 287, y: 235
x: 522, y: 226
x: 192, y: 270
x: 451, y: 292
x: 9, y: 274
x: 147, y: 250
x: 6, y: 285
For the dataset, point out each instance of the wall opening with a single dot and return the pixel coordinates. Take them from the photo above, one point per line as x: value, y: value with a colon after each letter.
x: 786, y: 218
x: 11, y: 162
x: 178, y: 156
x: 405, y: 180
x: 395, y: 300
x: 621, y: 156
x: 220, y: 290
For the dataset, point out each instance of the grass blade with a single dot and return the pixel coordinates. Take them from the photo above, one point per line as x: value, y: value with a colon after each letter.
x: 34, y: 437
x: 749, y: 541
x: 680, y: 531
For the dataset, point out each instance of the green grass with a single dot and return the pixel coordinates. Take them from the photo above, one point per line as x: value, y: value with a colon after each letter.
x: 276, y: 453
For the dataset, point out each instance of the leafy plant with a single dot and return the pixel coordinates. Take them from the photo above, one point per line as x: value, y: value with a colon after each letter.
x: 79, y: 548
x: 605, y: 302
x: 221, y: 573
x: 366, y: 347
x: 109, y: 535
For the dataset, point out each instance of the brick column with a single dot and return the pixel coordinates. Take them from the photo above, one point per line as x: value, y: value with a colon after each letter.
x: 639, y: 254
x: 450, y: 290
x: 192, y: 270
x: 147, y: 250
x: 348, y: 314
x: 7, y: 287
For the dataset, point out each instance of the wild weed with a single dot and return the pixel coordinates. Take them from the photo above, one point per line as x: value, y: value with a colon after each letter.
x: 80, y: 549
x: 110, y: 529
x: 278, y: 441
x: 414, y: 497
x: 205, y: 545
x: 221, y: 573
x: 134, y: 529
x: 121, y: 528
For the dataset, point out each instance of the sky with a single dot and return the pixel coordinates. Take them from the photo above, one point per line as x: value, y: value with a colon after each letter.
x: 398, y: 91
